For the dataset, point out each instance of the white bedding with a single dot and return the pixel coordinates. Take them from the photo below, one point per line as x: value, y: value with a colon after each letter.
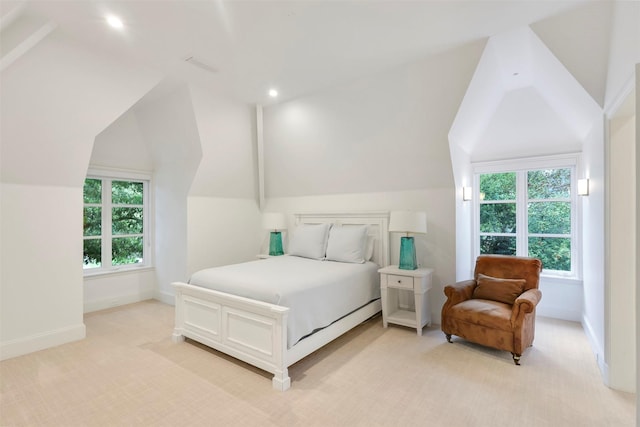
x: 317, y: 293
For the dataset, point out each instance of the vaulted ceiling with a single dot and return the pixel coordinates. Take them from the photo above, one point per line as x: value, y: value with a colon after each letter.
x: 301, y: 47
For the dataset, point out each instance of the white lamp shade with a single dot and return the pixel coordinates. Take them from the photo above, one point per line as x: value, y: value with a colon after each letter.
x: 408, y: 222
x: 274, y: 221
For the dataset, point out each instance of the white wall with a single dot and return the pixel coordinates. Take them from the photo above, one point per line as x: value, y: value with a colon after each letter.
x: 593, y: 242
x: 222, y: 231
x: 223, y: 218
x: 41, y: 251
x: 169, y: 128
x: 55, y: 99
x: 625, y: 49
x: 387, y: 132
x: 637, y: 92
x: 621, y: 343
x: 122, y: 146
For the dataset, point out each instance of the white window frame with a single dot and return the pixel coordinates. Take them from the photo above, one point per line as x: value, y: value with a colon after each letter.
x: 521, y: 167
x: 107, y: 176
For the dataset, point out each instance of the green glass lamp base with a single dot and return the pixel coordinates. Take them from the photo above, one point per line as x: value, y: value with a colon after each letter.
x: 407, y: 254
x: 275, y: 244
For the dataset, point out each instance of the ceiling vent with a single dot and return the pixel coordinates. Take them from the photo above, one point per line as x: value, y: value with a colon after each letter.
x: 201, y: 64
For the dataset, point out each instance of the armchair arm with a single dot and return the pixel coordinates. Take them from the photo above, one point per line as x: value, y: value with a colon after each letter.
x: 525, y: 303
x: 459, y: 292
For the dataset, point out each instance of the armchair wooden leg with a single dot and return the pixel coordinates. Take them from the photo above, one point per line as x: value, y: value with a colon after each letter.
x: 448, y: 337
x: 516, y: 358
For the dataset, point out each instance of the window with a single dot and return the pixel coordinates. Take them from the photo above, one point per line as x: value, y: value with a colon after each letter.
x: 529, y: 212
x: 115, y: 227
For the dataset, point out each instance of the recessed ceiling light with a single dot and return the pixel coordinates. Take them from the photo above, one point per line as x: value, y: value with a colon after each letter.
x: 114, y: 21
x: 273, y: 93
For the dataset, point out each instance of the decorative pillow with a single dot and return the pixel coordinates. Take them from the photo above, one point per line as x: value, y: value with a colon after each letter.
x: 309, y: 241
x: 496, y: 289
x: 347, y: 244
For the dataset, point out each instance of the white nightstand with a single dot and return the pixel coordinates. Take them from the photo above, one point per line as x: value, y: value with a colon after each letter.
x: 393, y: 282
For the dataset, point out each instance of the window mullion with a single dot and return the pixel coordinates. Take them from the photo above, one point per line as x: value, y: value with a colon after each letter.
x: 522, y: 215
x: 106, y: 224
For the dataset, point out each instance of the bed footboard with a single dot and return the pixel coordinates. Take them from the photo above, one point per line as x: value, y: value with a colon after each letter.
x: 252, y: 331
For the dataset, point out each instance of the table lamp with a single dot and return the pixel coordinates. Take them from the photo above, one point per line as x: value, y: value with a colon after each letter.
x: 275, y: 222
x: 408, y: 222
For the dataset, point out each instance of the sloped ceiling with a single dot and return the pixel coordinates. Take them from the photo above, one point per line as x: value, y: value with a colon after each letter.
x: 580, y: 39
x: 301, y: 47
x: 522, y: 102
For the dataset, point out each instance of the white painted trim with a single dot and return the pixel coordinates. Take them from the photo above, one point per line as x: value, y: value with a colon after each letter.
x: 260, y: 146
x: 611, y: 109
x: 101, y: 304
x: 597, y: 349
x: 41, y: 341
x: 11, y: 17
x: 26, y: 45
x: 166, y: 297
x: 107, y: 172
x: 526, y: 163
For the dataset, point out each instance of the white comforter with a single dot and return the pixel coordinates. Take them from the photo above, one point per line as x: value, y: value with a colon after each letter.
x: 317, y: 293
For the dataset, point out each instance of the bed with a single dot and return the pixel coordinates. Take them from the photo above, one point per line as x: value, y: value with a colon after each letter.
x: 271, y: 330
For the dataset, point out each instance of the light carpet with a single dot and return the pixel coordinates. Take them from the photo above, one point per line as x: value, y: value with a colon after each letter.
x: 128, y: 372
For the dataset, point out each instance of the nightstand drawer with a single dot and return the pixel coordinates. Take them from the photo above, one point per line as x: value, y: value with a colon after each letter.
x: 403, y: 282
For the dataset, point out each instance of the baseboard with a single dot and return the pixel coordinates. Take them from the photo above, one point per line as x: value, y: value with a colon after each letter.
x: 559, y: 313
x: 597, y: 349
x: 30, y: 344
x: 166, y: 297
x: 96, y: 305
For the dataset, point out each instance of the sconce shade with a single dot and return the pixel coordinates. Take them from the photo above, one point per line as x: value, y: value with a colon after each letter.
x: 467, y: 193
x: 274, y: 221
x: 583, y: 187
x: 408, y: 222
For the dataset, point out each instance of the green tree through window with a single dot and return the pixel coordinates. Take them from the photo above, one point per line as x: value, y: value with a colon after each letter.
x: 528, y: 213
x: 114, y: 228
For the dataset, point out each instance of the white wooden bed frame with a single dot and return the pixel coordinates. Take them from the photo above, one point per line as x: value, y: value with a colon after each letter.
x: 256, y: 332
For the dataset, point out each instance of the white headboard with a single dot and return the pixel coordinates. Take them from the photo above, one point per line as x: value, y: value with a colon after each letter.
x: 378, y: 223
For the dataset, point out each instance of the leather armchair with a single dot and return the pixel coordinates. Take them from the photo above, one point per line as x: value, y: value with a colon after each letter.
x: 498, y: 307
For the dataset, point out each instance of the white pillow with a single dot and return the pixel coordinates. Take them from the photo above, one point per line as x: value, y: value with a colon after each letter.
x: 309, y: 241
x: 371, y: 241
x: 347, y: 244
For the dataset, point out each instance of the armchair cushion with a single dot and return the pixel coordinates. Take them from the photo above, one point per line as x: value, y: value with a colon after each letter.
x: 497, y: 289
x: 480, y: 312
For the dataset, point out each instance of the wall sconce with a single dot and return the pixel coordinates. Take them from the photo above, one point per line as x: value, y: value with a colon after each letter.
x: 583, y: 187
x: 467, y: 193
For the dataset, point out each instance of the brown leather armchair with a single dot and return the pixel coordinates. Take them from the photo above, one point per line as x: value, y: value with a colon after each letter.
x: 498, y: 307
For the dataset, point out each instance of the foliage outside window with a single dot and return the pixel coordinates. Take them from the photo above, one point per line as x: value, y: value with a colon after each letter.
x: 529, y: 213
x: 114, y: 223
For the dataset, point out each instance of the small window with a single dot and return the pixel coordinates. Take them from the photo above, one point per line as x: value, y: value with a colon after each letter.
x: 529, y: 212
x: 115, y: 226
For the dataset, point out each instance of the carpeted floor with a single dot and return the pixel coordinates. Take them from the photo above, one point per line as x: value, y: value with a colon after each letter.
x: 128, y: 372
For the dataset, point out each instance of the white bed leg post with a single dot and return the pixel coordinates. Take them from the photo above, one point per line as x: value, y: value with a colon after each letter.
x: 177, y: 336
x: 281, y: 380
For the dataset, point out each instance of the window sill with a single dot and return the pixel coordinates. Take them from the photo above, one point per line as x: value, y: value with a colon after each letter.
x: 560, y: 280
x: 118, y: 272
